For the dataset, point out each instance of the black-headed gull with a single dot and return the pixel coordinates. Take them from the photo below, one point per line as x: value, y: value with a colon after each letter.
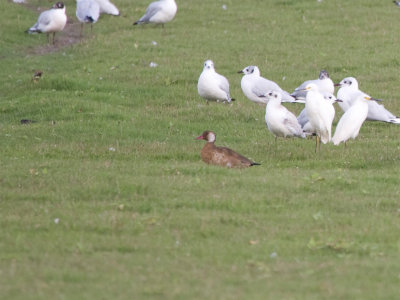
x: 324, y: 84
x: 159, y: 12
x: 256, y: 87
x: 280, y: 121
x: 349, y: 93
x: 350, y: 123
x: 213, y: 86
x: 50, y: 21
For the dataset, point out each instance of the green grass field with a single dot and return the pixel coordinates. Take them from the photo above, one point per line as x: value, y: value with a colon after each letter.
x: 105, y: 195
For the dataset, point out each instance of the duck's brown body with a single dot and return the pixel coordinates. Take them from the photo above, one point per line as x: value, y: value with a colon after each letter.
x: 222, y: 156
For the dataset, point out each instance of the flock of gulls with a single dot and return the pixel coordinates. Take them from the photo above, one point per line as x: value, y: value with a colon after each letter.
x: 317, y: 95
x: 315, y: 119
x: 88, y: 11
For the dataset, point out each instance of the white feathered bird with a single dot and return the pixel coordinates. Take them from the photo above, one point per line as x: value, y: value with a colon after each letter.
x: 213, y: 86
x: 319, y: 113
x: 159, y: 12
x: 87, y: 11
x: 323, y: 83
x: 256, y: 87
x: 349, y: 93
x: 280, y: 121
x: 106, y: 7
x: 303, y: 118
x: 350, y: 123
x: 50, y: 21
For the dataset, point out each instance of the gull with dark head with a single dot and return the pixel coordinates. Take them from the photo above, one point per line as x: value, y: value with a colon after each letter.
x: 349, y: 93
x: 323, y: 83
x: 50, y: 21
x: 256, y: 87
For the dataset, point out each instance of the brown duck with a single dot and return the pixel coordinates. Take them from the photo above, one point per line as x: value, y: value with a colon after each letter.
x: 222, y: 156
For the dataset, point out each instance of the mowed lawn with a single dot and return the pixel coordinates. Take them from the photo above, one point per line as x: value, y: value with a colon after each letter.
x: 105, y: 196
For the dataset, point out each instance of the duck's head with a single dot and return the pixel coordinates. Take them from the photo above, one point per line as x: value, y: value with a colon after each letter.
x: 207, y: 135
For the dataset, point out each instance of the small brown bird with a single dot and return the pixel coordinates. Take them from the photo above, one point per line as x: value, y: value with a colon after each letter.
x: 222, y: 156
x: 37, y: 75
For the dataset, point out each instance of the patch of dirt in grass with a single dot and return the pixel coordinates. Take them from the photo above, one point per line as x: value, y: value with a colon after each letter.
x: 69, y: 36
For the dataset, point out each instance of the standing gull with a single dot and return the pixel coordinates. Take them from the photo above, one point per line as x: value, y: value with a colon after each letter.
x: 213, y: 86
x: 319, y: 113
x: 50, y: 21
x: 159, y: 12
x: 324, y: 84
x: 350, y: 123
x: 256, y: 87
x: 349, y: 93
x: 280, y: 121
x: 87, y: 11
x: 303, y: 118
